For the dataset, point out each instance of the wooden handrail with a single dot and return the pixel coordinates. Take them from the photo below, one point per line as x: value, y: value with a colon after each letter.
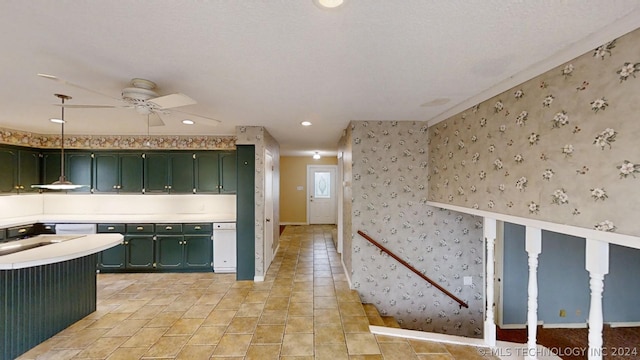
x: 408, y: 266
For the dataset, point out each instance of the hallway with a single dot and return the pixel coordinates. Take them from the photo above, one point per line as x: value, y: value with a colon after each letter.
x: 303, y: 310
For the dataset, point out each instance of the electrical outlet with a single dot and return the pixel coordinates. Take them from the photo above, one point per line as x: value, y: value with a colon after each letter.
x: 467, y: 280
x: 563, y: 313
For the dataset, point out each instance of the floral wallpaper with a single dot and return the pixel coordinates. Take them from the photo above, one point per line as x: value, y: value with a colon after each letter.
x: 562, y: 147
x: 389, y: 195
x: 22, y: 138
x: 260, y: 137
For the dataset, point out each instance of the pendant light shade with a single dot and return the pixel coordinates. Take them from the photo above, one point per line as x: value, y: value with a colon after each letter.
x: 62, y: 183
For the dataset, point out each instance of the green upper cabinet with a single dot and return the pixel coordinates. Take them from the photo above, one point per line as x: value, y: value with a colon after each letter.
x: 50, y: 166
x: 207, y: 172
x: 78, y: 169
x: 29, y: 170
x: 181, y: 172
x: 20, y: 169
x: 9, y: 165
x: 215, y: 172
x: 170, y: 172
x: 118, y: 172
x: 228, y: 172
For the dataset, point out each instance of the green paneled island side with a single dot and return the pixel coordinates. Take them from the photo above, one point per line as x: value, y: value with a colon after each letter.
x: 47, y: 282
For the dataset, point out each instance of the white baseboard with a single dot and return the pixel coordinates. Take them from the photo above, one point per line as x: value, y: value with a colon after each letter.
x: 565, y: 326
x: 258, y: 278
x: 513, y: 326
x: 624, y: 324
x: 347, y: 274
x: 504, y: 350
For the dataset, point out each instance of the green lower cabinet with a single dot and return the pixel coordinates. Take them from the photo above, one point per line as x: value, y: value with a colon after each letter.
x: 140, y: 252
x: 113, y: 258
x: 170, y: 253
x: 198, y: 252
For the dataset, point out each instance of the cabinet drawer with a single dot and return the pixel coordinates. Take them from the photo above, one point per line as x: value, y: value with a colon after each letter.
x: 169, y: 228
x: 198, y: 228
x: 2, y: 234
x: 139, y: 228
x: 20, y: 231
x: 111, y: 228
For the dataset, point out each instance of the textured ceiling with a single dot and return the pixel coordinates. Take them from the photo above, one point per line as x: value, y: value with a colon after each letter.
x: 275, y: 63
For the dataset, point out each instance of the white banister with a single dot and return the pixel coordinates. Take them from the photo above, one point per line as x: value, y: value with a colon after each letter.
x: 533, y: 245
x: 597, y: 264
x: 489, y: 321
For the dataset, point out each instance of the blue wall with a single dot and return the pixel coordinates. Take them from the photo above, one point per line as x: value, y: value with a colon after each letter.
x: 563, y: 281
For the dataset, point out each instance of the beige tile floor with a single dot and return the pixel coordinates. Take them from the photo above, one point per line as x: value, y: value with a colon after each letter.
x: 303, y: 310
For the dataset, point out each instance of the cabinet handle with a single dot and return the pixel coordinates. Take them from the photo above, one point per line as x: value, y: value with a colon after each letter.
x: 168, y: 228
x: 110, y: 228
x: 17, y: 187
x: 115, y: 186
x: 140, y: 228
x: 21, y: 187
x: 197, y: 227
x: 22, y: 231
x: 168, y: 186
x: 126, y: 243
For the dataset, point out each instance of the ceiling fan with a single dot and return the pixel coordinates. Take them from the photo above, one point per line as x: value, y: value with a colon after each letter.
x: 142, y: 97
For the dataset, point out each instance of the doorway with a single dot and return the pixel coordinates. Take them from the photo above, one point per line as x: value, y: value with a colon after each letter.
x: 321, y: 194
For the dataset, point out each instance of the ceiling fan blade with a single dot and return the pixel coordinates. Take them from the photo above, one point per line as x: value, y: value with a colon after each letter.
x: 206, y: 120
x: 57, y: 79
x: 155, y: 119
x: 85, y: 106
x: 172, y: 101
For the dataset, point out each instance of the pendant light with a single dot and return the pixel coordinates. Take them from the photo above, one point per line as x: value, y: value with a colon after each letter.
x: 62, y: 183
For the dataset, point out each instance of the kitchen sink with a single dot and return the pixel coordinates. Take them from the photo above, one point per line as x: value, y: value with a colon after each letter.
x: 15, y: 246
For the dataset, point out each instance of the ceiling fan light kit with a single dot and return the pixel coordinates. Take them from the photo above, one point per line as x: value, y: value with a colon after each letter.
x: 62, y: 183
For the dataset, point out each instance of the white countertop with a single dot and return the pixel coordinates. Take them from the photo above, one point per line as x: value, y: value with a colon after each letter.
x: 114, y: 218
x: 80, y: 245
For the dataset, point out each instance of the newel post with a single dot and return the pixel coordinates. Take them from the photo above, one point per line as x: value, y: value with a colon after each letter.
x: 489, y: 321
x: 533, y: 244
x: 597, y: 264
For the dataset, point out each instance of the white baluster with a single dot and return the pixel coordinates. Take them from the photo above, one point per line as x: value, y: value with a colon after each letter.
x: 489, y: 322
x: 597, y: 264
x: 533, y: 244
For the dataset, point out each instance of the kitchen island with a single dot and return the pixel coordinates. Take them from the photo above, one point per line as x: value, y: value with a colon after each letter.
x: 45, y: 289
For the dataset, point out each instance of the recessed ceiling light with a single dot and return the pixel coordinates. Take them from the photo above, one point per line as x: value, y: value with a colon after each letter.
x: 57, y: 121
x: 306, y: 123
x: 316, y: 156
x: 328, y: 4
x: 188, y: 122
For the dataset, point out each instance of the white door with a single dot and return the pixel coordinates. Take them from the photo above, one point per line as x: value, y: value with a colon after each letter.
x: 321, y: 194
x: 268, y: 210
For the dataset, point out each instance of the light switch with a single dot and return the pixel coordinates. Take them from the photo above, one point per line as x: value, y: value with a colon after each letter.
x: 299, y: 188
x: 468, y: 280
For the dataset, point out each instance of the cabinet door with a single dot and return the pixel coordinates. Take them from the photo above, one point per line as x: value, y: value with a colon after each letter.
x: 29, y: 170
x: 228, y: 172
x: 131, y: 172
x: 78, y: 169
x: 113, y: 258
x: 50, y: 166
x: 8, y: 175
x: 207, y: 171
x: 170, y: 254
x: 181, y: 165
x: 140, y: 252
x: 198, y: 251
x: 156, y: 175
x: 105, y: 172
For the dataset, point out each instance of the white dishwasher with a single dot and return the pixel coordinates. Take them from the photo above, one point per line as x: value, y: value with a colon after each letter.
x: 224, y: 247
